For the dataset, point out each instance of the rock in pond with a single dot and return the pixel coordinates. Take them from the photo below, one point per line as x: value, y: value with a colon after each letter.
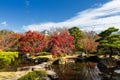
x: 40, y: 60
x: 93, y: 59
x: 117, y: 71
x: 26, y: 68
x: 52, y: 75
x: 58, y: 61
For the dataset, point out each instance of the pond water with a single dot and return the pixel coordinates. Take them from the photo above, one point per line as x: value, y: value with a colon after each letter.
x: 20, y: 62
x: 70, y: 71
x: 81, y: 71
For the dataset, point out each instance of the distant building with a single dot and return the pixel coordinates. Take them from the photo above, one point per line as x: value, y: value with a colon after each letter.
x: 45, y: 32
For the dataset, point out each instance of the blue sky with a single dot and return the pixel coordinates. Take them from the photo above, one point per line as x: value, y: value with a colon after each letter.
x: 23, y: 15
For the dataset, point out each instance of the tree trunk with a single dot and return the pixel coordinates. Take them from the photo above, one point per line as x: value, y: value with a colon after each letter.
x: 111, y: 52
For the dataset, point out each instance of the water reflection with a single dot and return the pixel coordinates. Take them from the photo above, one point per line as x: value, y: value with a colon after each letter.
x: 92, y: 72
x: 80, y: 71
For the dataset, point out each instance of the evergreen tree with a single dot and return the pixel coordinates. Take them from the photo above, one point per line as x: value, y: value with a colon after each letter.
x: 77, y: 34
x: 108, y: 42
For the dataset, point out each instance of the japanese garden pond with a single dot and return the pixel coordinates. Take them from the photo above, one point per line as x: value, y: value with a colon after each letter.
x: 81, y: 71
x: 73, y: 71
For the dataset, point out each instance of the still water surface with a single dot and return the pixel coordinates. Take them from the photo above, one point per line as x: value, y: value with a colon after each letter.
x: 81, y: 71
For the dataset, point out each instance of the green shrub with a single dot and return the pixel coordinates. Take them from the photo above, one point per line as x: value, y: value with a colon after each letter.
x: 42, y: 53
x: 61, y: 55
x: 7, y: 57
x: 44, y: 59
x: 33, y: 75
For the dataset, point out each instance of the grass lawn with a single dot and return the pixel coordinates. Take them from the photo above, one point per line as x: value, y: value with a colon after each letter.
x: 12, y: 75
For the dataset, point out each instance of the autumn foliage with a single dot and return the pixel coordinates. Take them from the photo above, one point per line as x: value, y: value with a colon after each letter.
x: 88, y: 42
x: 32, y: 42
x: 10, y: 42
x: 61, y: 44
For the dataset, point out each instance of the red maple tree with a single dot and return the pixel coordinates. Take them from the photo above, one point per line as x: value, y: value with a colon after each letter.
x: 32, y: 42
x: 61, y: 44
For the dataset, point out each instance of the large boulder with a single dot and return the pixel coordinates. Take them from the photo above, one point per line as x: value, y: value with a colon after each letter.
x: 38, y: 67
x: 118, y: 62
x: 101, y: 66
x: 41, y: 60
x: 93, y: 59
x: 107, y: 65
x: 57, y: 61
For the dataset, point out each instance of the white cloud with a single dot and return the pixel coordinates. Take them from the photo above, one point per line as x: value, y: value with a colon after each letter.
x: 3, y: 23
x: 102, y: 17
